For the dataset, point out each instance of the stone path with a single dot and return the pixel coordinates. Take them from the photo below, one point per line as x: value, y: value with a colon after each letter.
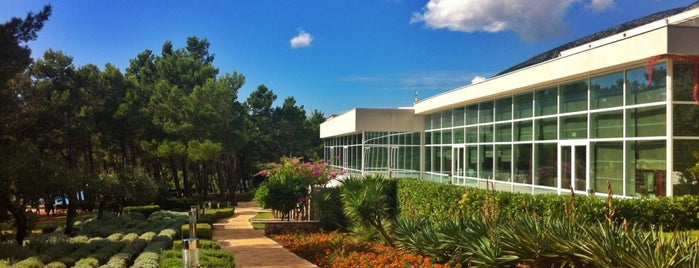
x: 250, y: 247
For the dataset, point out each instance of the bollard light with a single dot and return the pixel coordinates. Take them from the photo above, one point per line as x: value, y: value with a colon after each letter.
x: 193, y: 222
x: 190, y: 252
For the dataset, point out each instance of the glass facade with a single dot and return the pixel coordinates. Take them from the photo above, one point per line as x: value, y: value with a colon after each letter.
x: 608, y: 130
x: 395, y: 154
x: 626, y: 130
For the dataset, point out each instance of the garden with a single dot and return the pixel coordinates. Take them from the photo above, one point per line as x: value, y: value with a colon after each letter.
x: 144, y: 236
x: 373, y: 221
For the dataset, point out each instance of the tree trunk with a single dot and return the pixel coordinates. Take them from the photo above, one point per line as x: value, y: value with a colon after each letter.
x: 72, y: 213
x: 20, y: 216
x: 232, y: 182
x: 221, y: 176
x: 185, y: 181
x: 175, y: 179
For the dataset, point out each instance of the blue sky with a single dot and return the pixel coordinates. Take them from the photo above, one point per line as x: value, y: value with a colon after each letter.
x: 333, y: 55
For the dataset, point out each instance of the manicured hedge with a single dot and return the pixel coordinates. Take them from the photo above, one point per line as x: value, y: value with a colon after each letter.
x: 439, y: 202
x: 145, y: 210
x: 207, y: 258
x: 204, y: 231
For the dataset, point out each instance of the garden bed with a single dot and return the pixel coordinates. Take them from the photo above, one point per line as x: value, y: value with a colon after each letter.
x: 276, y: 226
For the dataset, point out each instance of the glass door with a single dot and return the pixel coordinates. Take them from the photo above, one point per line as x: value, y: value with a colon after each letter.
x: 572, y: 166
x: 458, y: 165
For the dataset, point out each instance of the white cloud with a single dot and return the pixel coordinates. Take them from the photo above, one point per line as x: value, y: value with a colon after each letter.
x: 303, y: 39
x: 439, y: 80
x: 531, y: 20
x: 601, y: 5
x: 478, y: 79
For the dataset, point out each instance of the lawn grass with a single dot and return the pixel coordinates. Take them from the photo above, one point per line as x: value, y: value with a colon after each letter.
x: 262, y: 216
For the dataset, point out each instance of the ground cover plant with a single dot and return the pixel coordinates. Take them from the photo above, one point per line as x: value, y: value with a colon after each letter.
x: 127, y: 240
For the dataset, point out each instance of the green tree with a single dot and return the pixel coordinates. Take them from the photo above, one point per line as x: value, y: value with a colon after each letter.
x: 14, y: 34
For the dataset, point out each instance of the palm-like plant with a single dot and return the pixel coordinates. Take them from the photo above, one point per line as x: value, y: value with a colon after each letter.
x: 524, y: 236
x: 420, y: 236
x: 327, y: 209
x: 370, y: 202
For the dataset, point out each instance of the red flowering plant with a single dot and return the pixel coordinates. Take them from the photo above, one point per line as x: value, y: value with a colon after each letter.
x: 289, y: 183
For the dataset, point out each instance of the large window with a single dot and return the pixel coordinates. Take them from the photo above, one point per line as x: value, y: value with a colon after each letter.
x: 574, y: 97
x: 523, y: 130
x: 638, y: 88
x: 523, y: 105
x: 607, y: 91
x: 546, y: 101
x: 607, y: 124
x: 646, y: 168
x: 485, y: 112
x: 546, y: 129
x: 545, y: 166
x: 503, y: 132
x: 503, y: 109
x: 646, y: 121
x: 503, y: 162
x: 607, y: 166
x: 523, y: 163
x: 574, y: 127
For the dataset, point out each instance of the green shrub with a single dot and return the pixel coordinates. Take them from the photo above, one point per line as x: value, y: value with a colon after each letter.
x: 56, y: 264
x: 48, y: 229
x: 203, y: 231
x: 207, y: 258
x: 87, y: 263
x: 31, y: 262
x: 144, y: 210
x: 203, y: 244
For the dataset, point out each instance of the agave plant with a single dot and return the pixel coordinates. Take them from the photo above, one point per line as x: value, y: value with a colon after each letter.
x: 561, y: 235
x: 650, y: 249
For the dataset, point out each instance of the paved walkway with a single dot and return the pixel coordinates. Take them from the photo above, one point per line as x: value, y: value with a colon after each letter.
x: 250, y: 247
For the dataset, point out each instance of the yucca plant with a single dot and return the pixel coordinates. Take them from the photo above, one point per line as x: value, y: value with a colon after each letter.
x: 650, y: 249
x: 603, y: 245
x: 420, y: 236
x: 327, y: 209
x: 561, y: 235
x: 371, y: 202
x: 524, y: 237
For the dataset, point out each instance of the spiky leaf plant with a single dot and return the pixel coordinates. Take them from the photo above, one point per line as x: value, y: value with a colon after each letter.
x: 371, y: 202
x: 524, y: 236
x: 603, y: 245
x: 420, y: 236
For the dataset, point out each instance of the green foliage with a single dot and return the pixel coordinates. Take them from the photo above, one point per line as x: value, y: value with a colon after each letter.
x: 281, y: 194
x: 203, y: 244
x: 327, y: 209
x: 31, y: 262
x: 370, y: 203
x: 203, y: 231
x: 55, y: 264
x: 440, y: 202
x: 245, y: 197
x: 145, y: 210
x: 207, y: 258
x: 87, y: 263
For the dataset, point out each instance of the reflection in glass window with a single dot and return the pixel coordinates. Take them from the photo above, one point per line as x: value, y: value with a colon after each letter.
x: 459, y: 116
x: 684, y: 158
x: 503, y: 162
x: 607, y: 91
x: 546, y: 101
x: 486, y: 162
x: 574, y: 96
x: 523, y: 105
x: 685, y: 118
x: 485, y: 112
x: 472, y: 134
x: 524, y: 131
x: 523, y: 163
x: 446, y: 118
x: 503, y: 109
x: 472, y: 114
x: 459, y: 135
x: 503, y: 132
x: 637, y: 89
x: 646, y: 121
x: 607, y: 166
x: 545, y: 166
x: 646, y: 168
x: 574, y: 127
x: 546, y: 129
x: 607, y: 124
x: 486, y: 133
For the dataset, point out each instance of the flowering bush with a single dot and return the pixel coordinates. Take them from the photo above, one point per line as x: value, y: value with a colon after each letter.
x: 289, y: 182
